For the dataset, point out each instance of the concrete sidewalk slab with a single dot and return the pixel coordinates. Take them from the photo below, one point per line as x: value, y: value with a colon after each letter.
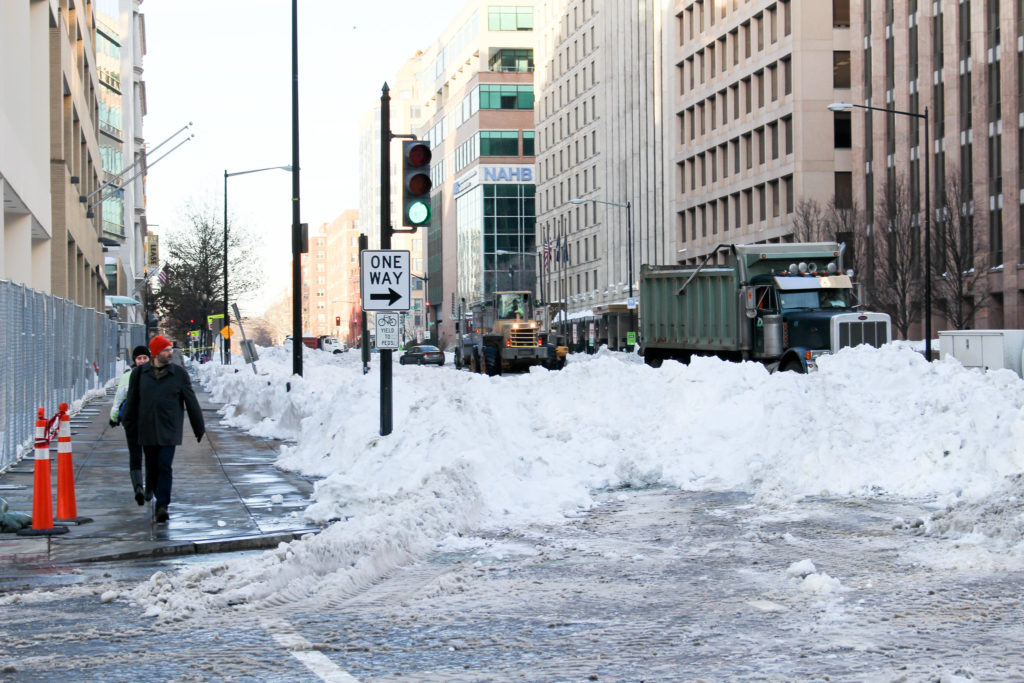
x: 222, y: 498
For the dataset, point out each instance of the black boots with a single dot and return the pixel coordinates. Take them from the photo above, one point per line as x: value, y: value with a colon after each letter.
x: 139, y: 486
x: 161, y: 515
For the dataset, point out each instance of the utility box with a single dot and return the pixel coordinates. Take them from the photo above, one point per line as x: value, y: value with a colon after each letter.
x: 985, y: 349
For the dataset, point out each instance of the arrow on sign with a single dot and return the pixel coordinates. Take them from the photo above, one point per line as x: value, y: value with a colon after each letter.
x: 392, y: 296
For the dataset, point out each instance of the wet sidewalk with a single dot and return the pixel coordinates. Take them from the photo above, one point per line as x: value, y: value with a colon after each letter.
x: 227, y: 495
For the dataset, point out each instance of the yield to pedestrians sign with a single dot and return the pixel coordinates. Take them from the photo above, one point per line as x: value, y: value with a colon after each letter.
x: 385, y: 280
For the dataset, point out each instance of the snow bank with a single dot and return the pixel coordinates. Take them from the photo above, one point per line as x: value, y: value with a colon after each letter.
x: 474, y: 451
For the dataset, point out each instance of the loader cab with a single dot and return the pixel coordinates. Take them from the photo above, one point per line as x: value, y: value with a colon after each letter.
x: 513, y: 305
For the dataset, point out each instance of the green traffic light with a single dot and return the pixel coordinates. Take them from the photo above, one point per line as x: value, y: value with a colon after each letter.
x: 419, y: 213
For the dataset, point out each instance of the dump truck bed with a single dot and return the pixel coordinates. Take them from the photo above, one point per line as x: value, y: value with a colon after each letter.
x: 704, y: 318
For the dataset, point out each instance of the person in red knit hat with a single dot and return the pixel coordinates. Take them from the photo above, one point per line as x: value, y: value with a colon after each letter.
x: 159, y: 393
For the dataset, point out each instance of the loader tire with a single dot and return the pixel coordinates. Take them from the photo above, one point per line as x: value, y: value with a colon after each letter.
x: 492, y: 364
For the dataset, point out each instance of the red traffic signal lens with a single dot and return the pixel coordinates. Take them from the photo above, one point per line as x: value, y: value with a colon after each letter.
x: 419, y: 183
x: 418, y: 155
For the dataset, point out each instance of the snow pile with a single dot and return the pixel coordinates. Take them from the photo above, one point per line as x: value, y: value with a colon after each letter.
x: 474, y: 451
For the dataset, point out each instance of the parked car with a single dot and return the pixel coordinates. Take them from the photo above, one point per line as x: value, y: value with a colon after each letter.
x: 422, y: 354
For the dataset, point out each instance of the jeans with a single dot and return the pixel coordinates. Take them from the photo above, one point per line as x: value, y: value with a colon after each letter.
x: 134, y: 454
x: 158, y: 473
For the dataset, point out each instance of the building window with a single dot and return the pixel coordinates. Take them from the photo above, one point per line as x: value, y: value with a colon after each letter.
x: 843, y: 130
x: 844, y: 190
x: 995, y: 232
x: 528, y: 146
x: 506, y: 96
x: 520, y: 61
x: 840, y: 13
x: 509, y: 18
x: 499, y: 143
x: 841, y: 69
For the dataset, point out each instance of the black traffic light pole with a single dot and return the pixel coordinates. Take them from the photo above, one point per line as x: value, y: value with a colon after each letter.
x: 386, y: 231
x: 364, y: 339
x: 296, y: 220
x: 385, y: 243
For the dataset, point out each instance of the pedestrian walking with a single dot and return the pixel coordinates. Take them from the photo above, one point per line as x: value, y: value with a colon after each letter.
x: 159, y: 393
x: 140, y: 356
x: 177, y: 357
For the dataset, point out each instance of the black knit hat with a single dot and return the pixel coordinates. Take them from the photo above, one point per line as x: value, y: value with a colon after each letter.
x: 140, y: 350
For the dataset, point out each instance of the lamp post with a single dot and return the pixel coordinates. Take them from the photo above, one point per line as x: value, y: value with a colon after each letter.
x: 629, y: 255
x: 226, y: 348
x: 846, y: 106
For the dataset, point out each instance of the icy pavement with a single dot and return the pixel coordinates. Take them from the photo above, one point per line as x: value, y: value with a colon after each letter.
x: 654, y: 584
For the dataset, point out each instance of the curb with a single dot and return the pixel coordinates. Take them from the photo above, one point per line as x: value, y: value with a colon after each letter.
x: 223, y: 545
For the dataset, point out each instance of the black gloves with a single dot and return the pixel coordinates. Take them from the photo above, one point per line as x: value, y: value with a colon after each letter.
x: 114, y: 423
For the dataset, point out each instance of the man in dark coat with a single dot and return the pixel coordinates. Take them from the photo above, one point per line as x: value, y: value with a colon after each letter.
x: 158, y: 395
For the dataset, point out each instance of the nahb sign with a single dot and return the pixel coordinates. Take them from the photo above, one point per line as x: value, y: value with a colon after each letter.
x: 384, y: 280
x: 497, y: 174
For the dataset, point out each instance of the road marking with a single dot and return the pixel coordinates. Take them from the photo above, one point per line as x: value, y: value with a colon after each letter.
x: 300, y: 648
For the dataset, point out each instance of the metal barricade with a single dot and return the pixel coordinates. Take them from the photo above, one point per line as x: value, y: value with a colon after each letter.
x: 52, y: 351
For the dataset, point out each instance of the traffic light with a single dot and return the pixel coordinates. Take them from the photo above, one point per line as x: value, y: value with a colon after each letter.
x: 416, y: 183
x: 337, y: 321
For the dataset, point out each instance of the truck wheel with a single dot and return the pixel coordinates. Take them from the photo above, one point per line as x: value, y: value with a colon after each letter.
x: 491, y: 362
x: 793, y: 365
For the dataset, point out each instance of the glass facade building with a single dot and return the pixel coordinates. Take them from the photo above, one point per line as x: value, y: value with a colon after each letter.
x: 108, y: 62
x: 496, y: 239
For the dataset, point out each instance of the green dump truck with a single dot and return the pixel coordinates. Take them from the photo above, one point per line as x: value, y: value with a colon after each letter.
x: 781, y: 304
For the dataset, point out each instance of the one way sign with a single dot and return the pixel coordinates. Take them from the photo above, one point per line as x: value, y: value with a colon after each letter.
x: 385, y: 280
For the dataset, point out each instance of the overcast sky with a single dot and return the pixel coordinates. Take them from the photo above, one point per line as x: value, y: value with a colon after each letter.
x: 225, y: 65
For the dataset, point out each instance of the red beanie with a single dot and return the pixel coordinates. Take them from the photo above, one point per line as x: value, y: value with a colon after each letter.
x: 158, y: 344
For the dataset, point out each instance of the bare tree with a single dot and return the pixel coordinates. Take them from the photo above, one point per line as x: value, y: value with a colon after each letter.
x: 832, y: 223
x: 960, y: 256
x: 809, y: 221
x: 844, y: 225
x: 195, y: 270
x: 898, y: 286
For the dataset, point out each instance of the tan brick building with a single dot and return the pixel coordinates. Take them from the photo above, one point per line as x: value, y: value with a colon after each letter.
x: 751, y: 134
x: 964, y: 62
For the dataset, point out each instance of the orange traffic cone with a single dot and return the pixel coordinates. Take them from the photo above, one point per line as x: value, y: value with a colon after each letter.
x: 67, y: 510
x: 42, y: 495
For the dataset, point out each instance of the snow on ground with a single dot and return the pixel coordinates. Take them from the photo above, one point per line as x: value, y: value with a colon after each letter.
x: 469, y: 451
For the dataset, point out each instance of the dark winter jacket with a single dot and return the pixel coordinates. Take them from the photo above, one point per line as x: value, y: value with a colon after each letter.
x: 156, y: 406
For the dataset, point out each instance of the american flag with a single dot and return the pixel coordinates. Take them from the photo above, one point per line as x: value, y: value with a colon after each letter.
x: 547, y: 254
x: 162, y: 275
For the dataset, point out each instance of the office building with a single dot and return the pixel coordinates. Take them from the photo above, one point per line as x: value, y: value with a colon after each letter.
x: 964, y: 62
x: 120, y: 47
x: 49, y: 149
x: 478, y: 99
x: 752, y: 135
x: 602, y: 160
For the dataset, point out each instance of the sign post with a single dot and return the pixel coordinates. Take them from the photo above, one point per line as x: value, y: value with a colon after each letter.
x: 384, y: 283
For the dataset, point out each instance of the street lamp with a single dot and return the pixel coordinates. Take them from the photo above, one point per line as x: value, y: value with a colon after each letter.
x: 846, y: 106
x: 629, y: 255
x: 226, y: 348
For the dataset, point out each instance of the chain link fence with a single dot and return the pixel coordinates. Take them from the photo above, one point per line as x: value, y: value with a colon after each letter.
x: 52, y: 351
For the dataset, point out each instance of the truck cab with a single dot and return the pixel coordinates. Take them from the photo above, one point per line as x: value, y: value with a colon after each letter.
x: 330, y: 344
x: 807, y: 313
